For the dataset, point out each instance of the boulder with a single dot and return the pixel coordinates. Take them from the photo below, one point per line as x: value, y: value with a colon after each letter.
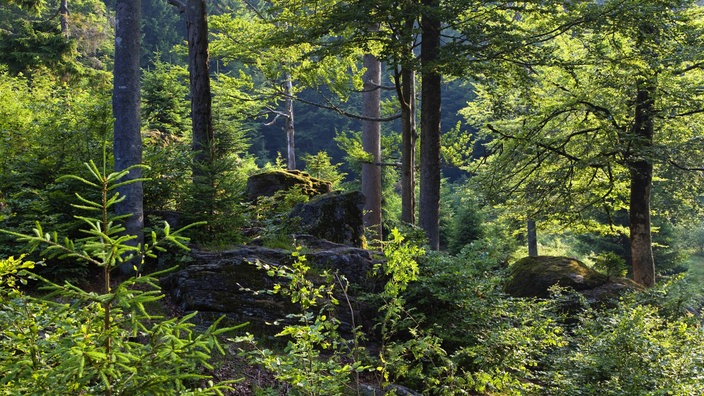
x: 335, y: 216
x: 533, y: 277
x: 266, y: 184
x: 227, y: 283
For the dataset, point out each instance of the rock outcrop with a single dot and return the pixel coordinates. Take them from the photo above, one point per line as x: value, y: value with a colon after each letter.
x: 228, y: 283
x: 533, y: 277
x: 336, y: 217
x: 266, y: 184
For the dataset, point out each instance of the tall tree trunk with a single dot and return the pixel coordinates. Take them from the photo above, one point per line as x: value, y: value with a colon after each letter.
x: 408, y: 145
x: 532, y: 239
x: 289, y: 127
x: 641, y: 172
x: 199, y: 72
x: 63, y: 16
x: 371, y: 143
x: 127, y: 143
x: 429, y: 206
x: 203, y: 144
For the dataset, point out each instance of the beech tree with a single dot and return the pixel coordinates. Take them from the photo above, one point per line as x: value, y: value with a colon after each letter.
x: 127, y: 142
x: 618, y: 102
x: 371, y: 143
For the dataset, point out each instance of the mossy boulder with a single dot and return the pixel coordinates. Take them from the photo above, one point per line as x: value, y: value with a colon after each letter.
x: 266, y: 184
x: 533, y: 276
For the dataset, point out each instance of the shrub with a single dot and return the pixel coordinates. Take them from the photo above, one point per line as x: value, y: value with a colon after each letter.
x: 317, y: 360
x: 85, y: 342
x: 631, y: 350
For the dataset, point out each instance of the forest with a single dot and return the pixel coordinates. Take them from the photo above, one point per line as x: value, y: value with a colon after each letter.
x: 531, y: 174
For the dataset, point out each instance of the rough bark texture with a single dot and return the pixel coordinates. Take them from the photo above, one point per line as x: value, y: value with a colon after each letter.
x: 532, y: 239
x: 408, y: 143
x: 371, y: 143
x: 641, y: 170
x: 127, y: 144
x: 199, y: 71
x: 429, y: 207
x: 63, y: 17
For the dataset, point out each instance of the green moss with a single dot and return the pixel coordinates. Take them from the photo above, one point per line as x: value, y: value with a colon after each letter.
x: 533, y: 276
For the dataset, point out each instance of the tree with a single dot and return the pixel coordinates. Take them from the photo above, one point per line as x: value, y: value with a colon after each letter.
x: 203, y: 136
x: 429, y: 206
x: 127, y: 142
x: 409, y: 135
x: 618, y: 101
x: 371, y: 143
x: 37, y: 37
x: 272, y: 61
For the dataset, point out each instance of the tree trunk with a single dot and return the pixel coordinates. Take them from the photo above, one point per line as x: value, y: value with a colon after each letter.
x: 429, y: 206
x: 371, y: 143
x: 63, y: 16
x: 641, y: 172
x: 290, y: 130
x: 201, y: 112
x: 408, y: 145
x: 532, y: 239
x: 127, y: 143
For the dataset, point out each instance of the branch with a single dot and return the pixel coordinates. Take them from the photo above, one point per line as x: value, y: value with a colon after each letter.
x: 685, y: 168
x: 685, y: 114
x: 180, y: 5
x: 338, y: 110
x: 541, y: 145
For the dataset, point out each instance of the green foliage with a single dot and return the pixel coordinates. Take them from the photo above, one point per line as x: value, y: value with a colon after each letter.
x: 463, y: 220
x: 11, y: 268
x: 101, y: 342
x: 320, y: 167
x: 164, y: 99
x: 456, y: 332
x: 631, y: 349
x: 610, y: 264
x: 51, y: 129
x: 33, y: 43
x: 479, y: 340
x: 169, y: 159
x: 270, y: 215
x: 317, y: 360
x: 216, y: 194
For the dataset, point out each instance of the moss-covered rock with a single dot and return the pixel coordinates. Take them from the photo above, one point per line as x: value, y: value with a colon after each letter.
x: 336, y: 217
x: 266, y: 184
x: 533, y: 276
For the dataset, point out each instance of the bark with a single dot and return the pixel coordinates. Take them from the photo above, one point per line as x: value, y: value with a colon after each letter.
x: 289, y: 126
x: 532, y: 239
x: 201, y: 105
x: 371, y: 143
x: 408, y: 145
x: 63, y: 16
x: 429, y: 205
x: 641, y: 172
x: 127, y: 143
